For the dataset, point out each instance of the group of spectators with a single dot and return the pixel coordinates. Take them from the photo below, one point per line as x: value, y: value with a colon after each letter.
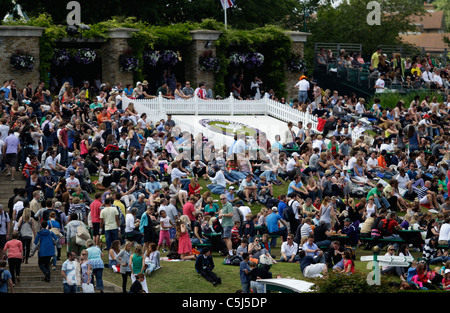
x: 399, y: 72
x: 89, y: 162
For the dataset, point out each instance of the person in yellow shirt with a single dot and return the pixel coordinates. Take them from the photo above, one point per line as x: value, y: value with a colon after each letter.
x: 375, y: 59
x: 415, y: 70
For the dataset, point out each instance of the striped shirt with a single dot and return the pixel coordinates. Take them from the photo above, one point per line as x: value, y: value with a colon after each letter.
x: 422, y: 192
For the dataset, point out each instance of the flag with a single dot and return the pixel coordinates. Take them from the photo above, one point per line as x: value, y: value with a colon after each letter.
x: 227, y: 3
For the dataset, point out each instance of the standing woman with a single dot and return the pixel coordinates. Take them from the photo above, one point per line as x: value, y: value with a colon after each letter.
x: 325, y: 212
x: 95, y: 256
x: 137, y: 263
x: 85, y: 267
x: 25, y: 226
x: 13, y: 250
x: 123, y: 259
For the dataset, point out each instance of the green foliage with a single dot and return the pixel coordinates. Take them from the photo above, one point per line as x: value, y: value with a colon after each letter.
x: 390, y: 99
x: 354, y: 283
x: 270, y: 40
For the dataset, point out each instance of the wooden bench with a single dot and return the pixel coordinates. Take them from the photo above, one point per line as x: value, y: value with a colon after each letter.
x: 371, y: 241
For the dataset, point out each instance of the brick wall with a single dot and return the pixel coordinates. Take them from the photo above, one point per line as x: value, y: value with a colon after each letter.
x: 112, y: 49
x: 200, y: 38
x: 25, y: 38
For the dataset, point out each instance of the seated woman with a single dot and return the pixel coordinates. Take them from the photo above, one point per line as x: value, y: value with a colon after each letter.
x: 152, y: 259
x: 360, y: 177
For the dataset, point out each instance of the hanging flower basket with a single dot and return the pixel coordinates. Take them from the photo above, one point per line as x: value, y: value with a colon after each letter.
x: 237, y: 58
x: 207, y: 62
x: 254, y: 60
x: 85, y: 56
x: 297, y: 64
x: 168, y: 57
x: 21, y: 60
x: 151, y: 57
x: 61, y: 57
x: 128, y: 63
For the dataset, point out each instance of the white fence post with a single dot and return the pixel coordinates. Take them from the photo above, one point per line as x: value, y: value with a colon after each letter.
x: 231, y: 104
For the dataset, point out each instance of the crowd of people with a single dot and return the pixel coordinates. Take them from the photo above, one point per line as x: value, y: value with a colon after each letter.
x: 416, y: 72
x: 104, y: 179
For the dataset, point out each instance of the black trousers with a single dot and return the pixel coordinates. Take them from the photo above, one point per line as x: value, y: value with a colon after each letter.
x: 210, y: 276
x: 14, y: 267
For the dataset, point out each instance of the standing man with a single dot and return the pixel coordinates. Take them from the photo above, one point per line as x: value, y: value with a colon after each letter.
x: 63, y: 144
x: 46, y: 239
x: 303, y: 88
x: 68, y: 272
x: 109, y: 221
x: 226, y: 215
x: 11, y: 151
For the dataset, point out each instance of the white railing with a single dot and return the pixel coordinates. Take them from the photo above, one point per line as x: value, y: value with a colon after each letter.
x: 158, y: 108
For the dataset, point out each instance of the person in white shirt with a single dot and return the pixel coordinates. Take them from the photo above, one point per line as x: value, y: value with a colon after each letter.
x: 427, y: 76
x: 372, y: 162
x: 380, y: 84
x: 444, y: 233
x: 303, y: 88
x: 437, y: 79
x: 289, y: 250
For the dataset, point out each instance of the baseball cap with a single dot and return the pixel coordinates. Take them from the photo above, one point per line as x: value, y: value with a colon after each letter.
x: 275, y: 209
x: 295, y: 154
x: 231, y: 188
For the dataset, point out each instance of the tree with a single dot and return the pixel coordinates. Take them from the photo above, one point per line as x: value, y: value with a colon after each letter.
x: 347, y: 23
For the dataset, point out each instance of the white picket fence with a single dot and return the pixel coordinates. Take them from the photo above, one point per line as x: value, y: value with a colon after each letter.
x: 158, y: 108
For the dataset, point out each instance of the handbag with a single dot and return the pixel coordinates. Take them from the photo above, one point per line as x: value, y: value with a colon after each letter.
x: 54, y: 229
x: 83, y: 233
x: 87, y: 288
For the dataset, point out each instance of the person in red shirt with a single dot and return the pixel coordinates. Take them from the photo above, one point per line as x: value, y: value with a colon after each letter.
x: 104, y: 116
x: 63, y: 144
x: 95, y: 217
x: 189, y: 210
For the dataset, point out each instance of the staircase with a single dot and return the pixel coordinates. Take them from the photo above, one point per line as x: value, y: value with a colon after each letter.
x: 7, y: 187
x: 32, y: 280
x: 31, y: 277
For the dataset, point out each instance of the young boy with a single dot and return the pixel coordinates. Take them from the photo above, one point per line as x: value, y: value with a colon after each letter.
x: 242, y: 247
x: 235, y: 237
x: 244, y: 273
x: 248, y: 228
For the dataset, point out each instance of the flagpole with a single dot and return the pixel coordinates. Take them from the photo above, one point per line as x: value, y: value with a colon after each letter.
x: 225, y: 13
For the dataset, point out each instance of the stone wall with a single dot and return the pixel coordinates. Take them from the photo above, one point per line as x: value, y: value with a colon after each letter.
x: 116, y: 45
x: 298, y: 45
x: 25, y: 38
x: 202, y: 40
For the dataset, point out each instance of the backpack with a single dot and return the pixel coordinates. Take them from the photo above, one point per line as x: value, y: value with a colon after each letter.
x: 383, y: 227
x: 46, y: 215
x: 217, y: 227
x: 3, y: 279
x: 288, y: 212
x: 46, y: 130
x: 272, y: 202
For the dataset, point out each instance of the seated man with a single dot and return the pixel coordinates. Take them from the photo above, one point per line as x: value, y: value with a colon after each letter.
x: 334, y: 256
x: 204, y: 265
x: 426, y: 196
x: 248, y: 190
x: 272, y: 225
x: 312, y: 249
x: 289, y: 250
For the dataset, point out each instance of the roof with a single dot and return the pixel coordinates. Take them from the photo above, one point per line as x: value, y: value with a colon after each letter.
x: 431, y: 20
x: 426, y: 40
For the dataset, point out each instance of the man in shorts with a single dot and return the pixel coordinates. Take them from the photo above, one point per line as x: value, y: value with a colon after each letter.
x: 10, y: 151
x: 227, y: 222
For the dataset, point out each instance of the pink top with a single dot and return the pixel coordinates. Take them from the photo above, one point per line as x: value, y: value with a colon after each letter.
x: 15, y: 249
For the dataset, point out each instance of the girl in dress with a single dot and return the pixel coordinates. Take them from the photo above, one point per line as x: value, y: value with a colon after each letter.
x: 184, y: 241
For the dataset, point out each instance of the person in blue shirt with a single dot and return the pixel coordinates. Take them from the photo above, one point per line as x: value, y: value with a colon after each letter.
x: 272, y: 224
x: 152, y: 185
x: 244, y: 273
x: 296, y: 187
x: 6, y: 277
x: 282, y: 204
